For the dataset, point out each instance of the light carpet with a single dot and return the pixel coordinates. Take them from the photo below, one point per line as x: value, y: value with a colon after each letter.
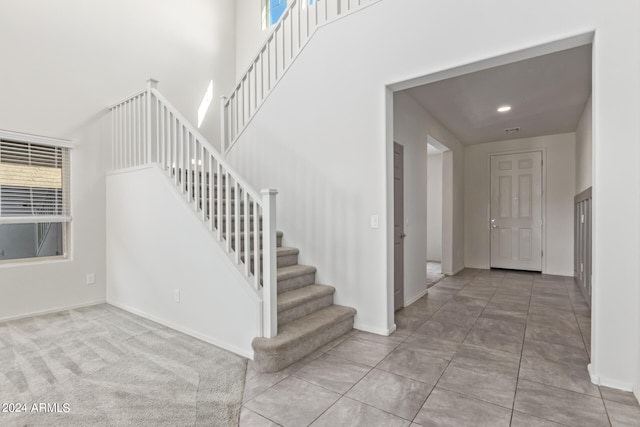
x: 101, y: 366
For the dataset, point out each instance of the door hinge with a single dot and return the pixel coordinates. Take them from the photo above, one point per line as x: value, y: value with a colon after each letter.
x: 541, y: 253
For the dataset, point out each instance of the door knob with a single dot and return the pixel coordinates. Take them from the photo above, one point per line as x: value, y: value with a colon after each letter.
x: 402, y: 235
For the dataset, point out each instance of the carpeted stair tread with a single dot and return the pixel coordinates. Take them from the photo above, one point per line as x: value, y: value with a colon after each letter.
x: 285, y: 251
x: 296, y: 297
x: 292, y: 271
x: 305, y: 328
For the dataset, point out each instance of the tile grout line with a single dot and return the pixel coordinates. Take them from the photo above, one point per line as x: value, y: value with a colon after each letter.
x: 524, y: 337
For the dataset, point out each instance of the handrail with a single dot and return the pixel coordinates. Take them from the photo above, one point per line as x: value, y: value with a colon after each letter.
x: 207, y: 145
x: 148, y: 129
x: 297, y: 25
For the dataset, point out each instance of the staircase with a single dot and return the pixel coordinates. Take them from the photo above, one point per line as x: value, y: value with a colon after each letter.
x: 307, y: 316
x: 298, y: 315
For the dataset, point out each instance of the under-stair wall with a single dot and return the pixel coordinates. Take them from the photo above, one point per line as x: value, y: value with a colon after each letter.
x: 165, y: 265
x: 323, y: 138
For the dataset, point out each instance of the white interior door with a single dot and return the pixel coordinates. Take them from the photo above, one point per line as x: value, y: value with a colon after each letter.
x: 516, y: 211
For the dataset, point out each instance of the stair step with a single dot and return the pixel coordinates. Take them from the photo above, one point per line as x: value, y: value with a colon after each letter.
x: 301, y: 337
x: 295, y: 276
x: 285, y: 256
x: 301, y: 302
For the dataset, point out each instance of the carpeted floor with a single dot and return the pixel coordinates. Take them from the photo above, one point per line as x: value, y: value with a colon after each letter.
x: 101, y: 366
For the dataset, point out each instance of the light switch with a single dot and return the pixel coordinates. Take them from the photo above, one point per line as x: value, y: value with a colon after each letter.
x: 374, y: 221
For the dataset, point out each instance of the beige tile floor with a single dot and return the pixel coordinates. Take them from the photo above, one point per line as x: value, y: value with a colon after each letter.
x: 483, y: 348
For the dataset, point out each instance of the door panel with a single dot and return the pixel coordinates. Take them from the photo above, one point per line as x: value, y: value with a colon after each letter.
x: 516, y: 211
x: 398, y: 225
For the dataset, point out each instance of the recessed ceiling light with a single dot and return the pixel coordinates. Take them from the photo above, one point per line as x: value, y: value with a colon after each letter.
x: 504, y: 108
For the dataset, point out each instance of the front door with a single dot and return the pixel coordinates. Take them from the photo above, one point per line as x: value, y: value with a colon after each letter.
x: 516, y: 211
x: 398, y: 225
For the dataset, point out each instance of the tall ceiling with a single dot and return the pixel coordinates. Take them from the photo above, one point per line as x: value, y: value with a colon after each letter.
x: 547, y: 95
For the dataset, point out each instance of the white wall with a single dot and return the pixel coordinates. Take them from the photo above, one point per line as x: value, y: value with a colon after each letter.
x: 412, y: 126
x: 64, y: 63
x: 434, y: 207
x: 249, y: 33
x: 559, y: 157
x: 327, y: 151
x: 157, y: 244
x: 584, y: 148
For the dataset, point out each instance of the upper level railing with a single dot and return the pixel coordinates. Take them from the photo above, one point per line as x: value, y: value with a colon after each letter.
x: 148, y: 129
x: 288, y: 37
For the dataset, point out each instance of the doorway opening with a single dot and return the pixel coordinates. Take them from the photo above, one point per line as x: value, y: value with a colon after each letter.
x: 434, y: 211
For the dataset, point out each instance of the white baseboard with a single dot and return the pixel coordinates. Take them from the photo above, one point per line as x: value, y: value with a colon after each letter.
x: 186, y: 331
x: 374, y: 330
x: 620, y: 385
x: 594, y: 378
x: 453, y: 273
x: 416, y: 298
x: 53, y: 310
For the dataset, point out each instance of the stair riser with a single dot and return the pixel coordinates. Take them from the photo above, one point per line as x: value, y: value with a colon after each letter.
x: 273, y: 362
x: 282, y: 261
x: 287, y: 260
x: 296, y: 282
x: 302, y: 310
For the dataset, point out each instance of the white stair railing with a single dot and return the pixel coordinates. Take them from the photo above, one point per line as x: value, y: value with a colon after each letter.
x: 148, y: 129
x: 296, y: 27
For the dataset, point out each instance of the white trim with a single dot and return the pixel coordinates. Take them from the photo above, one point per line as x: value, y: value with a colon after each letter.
x: 374, y: 330
x: 454, y: 272
x: 34, y: 219
x: 36, y: 139
x: 186, y: 331
x: 26, y: 262
x: 133, y: 169
x: 416, y: 298
x: 53, y: 310
x: 619, y: 385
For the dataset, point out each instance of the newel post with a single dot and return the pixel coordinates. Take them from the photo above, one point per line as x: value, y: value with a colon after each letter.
x: 223, y: 124
x: 269, y: 276
x: 151, y: 84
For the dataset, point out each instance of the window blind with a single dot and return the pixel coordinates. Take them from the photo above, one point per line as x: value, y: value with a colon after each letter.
x: 34, y: 182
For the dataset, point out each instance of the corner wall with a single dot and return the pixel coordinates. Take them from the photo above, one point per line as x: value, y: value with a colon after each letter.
x: 584, y: 149
x: 559, y: 186
x: 412, y: 125
x: 434, y: 207
x: 157, y: 245
x: 64, y: 63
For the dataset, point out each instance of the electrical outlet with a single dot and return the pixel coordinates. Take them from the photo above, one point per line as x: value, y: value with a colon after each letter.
x: 91, y: 279
x: 176, y: 295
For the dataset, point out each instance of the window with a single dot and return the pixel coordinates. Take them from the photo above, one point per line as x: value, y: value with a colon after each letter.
x: 272, y: 10
x: 34, y: 197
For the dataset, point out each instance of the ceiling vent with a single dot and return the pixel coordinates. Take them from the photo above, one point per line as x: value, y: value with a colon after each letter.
x: 512, y: 130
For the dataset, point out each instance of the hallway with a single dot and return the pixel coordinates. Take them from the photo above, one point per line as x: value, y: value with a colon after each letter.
x: 489, y: 348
